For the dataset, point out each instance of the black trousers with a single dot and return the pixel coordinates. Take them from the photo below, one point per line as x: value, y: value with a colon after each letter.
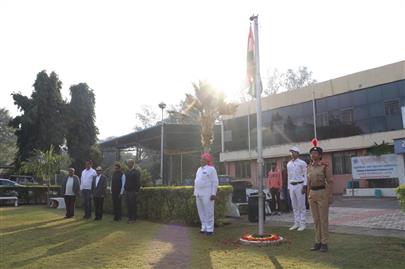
x: 275, y: 199
x: 70, y: 205
x: 98, y: 207
x: 117, y: 207
x: 86, y: 194
x: 131, y: 205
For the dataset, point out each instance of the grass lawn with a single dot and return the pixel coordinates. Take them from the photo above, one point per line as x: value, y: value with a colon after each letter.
x: 36, y: 237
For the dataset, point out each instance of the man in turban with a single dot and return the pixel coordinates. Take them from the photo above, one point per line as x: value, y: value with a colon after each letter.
x: 205, y: 191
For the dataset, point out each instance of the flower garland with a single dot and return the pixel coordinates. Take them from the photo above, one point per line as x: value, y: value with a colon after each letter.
x: 261, y: 239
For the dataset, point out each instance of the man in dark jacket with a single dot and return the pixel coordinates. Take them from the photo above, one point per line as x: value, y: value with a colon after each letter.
x: 99, y: 186
x: 132, y: 186
x: 70, y: 190
x: 117, y: 189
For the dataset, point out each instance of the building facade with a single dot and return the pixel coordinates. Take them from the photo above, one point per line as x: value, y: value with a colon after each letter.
x: 349, y: 115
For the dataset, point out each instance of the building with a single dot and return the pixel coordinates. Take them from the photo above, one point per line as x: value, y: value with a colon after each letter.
x: 349, y: 115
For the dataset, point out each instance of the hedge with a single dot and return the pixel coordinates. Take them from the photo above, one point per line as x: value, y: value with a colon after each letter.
x: 401, y: 193
x: 163, y: 204
x: 167, y: 204
x: 33, y: 194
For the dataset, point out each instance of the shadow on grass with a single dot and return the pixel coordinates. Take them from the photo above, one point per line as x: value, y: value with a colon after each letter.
x: 346, y: 251
x: 66, y: 241
x: 275, y: 262
x: 20, y: 228
x: 74, y: 243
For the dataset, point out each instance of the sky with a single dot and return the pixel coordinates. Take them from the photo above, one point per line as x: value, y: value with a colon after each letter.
x: 134, y: 53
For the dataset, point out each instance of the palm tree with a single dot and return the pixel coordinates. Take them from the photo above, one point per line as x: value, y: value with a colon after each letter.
x: 206, y: 106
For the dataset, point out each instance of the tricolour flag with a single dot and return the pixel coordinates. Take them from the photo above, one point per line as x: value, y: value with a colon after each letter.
x: 251, y: 64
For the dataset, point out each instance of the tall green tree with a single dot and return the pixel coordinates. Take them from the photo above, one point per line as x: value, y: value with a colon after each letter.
x: 82, y: 131
x: 41, y: 123
x: 8, y: 140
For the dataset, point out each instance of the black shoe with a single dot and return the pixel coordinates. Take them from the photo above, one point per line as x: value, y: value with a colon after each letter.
x: 209, y: 233
x: 317, y: 246
x: 202, y: 232
x: 323, y: 248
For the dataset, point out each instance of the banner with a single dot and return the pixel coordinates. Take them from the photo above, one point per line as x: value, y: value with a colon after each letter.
x: 377, y: 167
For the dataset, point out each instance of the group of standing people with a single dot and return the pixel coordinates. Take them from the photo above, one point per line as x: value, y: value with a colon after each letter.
x: 92, y: 186
x: 303, y: 180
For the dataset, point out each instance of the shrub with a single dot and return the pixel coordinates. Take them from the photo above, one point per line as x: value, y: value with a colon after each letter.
x: 35, y: 194
x: 172, y: 204
x: 401, y: 191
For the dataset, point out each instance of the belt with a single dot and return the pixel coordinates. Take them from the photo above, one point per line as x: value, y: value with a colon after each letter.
x: 296, y: 183
x: 316, y: 188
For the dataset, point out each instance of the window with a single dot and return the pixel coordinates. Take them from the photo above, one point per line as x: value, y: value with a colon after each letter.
x: 228, y: 136
x: 392, y: 107
x: 242, y: 169
x: 347, y: 116
x: 268, y: 163
x: 322, y: 119
x: 342, y: 163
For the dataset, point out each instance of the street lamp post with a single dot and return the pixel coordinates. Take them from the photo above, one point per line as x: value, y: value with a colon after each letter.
x: 162, y: 106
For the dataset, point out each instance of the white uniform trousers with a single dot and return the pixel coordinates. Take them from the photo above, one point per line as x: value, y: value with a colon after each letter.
x: 205, y: 209
x: 298, y: 203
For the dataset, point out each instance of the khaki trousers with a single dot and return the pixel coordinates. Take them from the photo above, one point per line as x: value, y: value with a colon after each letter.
x: 319, y: 204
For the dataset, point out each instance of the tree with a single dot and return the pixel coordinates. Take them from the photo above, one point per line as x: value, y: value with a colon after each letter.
x: 41, y: 123
x: 208, y: 104
x: 147, y: 118
x: 82, y: 131
x: 290, y: 80
x: 8, y: 140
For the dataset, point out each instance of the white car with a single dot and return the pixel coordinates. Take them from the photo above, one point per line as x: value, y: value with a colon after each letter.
x: 7, y: 182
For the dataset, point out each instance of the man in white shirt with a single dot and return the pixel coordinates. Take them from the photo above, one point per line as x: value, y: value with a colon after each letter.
x: 205, y: 191
x: 86, y: 181
x: 297, y: 184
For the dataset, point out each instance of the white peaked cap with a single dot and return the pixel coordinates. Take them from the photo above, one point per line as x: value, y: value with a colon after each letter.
x: 295, y: 148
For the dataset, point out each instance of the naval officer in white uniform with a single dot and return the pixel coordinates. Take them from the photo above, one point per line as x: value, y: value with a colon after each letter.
x: 205, y: 191
x: 297, y: 185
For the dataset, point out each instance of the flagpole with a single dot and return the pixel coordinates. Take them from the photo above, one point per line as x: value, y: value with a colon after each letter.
x: 258, y: 87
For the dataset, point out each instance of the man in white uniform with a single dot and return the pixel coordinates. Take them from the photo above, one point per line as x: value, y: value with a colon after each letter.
x: 205, y: 191
x: 297, y: 184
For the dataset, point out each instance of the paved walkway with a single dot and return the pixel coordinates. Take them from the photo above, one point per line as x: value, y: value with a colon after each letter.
x: 369, y: 216
x: 357, y: 217
x: 171, y: 248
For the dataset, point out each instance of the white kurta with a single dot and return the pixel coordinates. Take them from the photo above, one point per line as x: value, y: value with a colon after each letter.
x: 205, y: 185
x: 297, y: 172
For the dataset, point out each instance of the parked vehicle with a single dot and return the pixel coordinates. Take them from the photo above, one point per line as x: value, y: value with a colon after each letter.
x: 24, y: 180
x: 7, y: 182
x: 225, y: 179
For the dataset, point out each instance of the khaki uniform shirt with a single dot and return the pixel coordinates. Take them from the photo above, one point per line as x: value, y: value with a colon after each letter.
x: 319, y: 175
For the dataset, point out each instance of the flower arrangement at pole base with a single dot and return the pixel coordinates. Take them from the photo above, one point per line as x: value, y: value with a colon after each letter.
x: 261, y: 240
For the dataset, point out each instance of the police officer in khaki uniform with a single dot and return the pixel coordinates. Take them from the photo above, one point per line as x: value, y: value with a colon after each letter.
x: 320, y: 196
